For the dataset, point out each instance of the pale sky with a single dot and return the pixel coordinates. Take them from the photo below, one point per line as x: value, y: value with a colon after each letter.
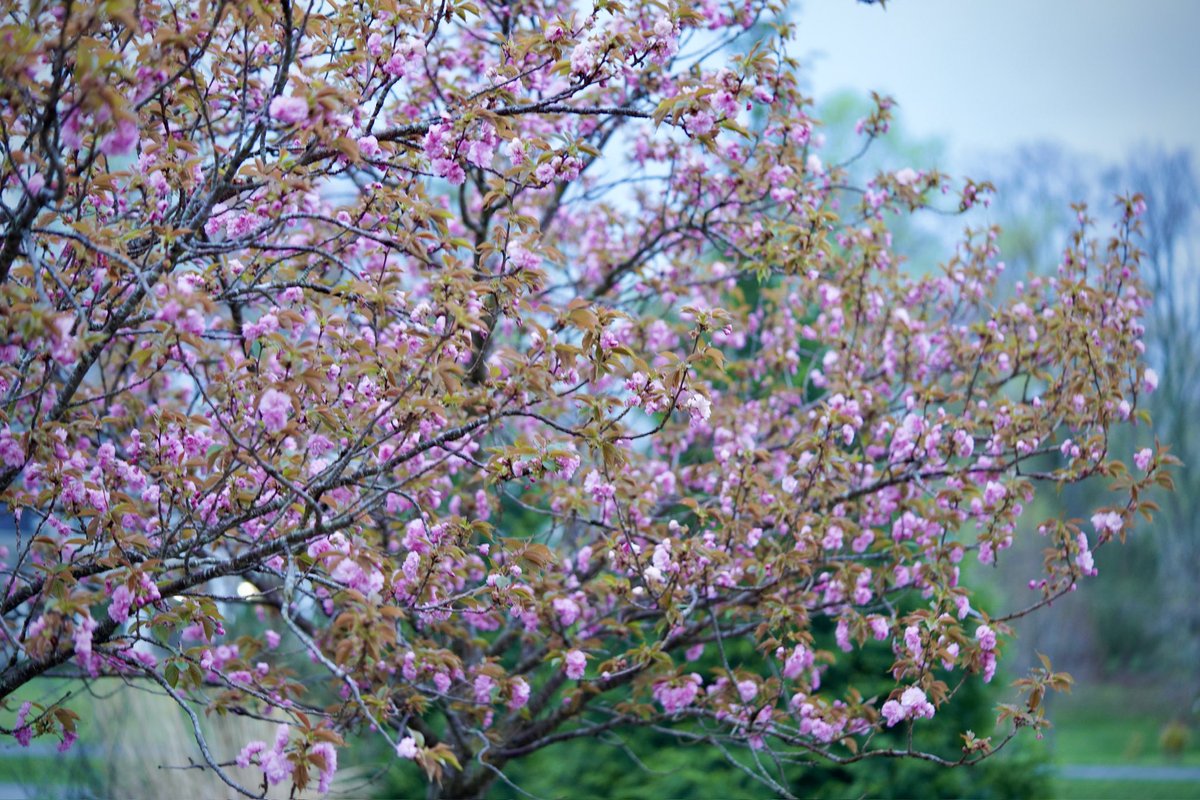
x: 1101, y: 76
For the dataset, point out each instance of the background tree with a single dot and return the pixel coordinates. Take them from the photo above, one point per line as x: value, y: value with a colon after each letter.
x: 532, y: 375
x: 1173, y: 344
x: 1142, y: 623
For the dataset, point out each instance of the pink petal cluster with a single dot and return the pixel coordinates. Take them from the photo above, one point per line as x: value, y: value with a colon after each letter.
x: 289, y: 109
x: 275, y: 408
x: 329, y: 753
x: 1107, y: 521
x: 1084, y: 559
x: 407, y: 748
x: 122, y: 601
x: 518, y: 693
x: 576, y: 664
x: 122, y: 140
x: 441, y: 148
x: 678, y: 694
x: 274, y: 762
x: 11, y: 452
x: 987, y: 646
x: 22, y: 732
x: 912, y: 705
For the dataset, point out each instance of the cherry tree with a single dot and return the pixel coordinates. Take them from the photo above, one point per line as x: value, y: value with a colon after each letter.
x: 475, y: 376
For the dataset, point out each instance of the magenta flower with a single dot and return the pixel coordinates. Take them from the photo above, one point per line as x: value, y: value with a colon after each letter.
x: 328, y: 752
x: 914, y: 702
x: 986, y: 637
x: 289, y: 110
x: 21, y: 731
x: 483, y: 686
x: 519, y: 693
x: 1084, y: 560
x: 993, y: 493
x: 911, y: 705
x: 892, y: 712
x: 122, y: 140
x: 274, y: 762
x: 407, y: 748
x: 249, y: 751
x: 1107, y: 521
x: 11, y: 452
x: 576, y: 664
x: 122, y: 599
x: 679, y: 694
x: 275, y: 408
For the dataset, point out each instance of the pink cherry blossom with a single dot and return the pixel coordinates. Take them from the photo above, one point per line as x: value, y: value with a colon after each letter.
x: 519, y: 693
x: 1107, y: 521
x: 122, y: 600
x: 289, y: 109
x: 122, y: 140
x: 406, y: 748
x: 275, y: 408
x: 576, y: 664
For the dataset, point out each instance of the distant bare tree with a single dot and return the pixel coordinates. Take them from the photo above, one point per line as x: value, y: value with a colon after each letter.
x: 1172, y: 271
x: 1150, y: 614
x: 1035, y: 189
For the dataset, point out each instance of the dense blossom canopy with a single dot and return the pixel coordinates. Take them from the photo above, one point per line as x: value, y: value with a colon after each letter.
x: 513, y: 361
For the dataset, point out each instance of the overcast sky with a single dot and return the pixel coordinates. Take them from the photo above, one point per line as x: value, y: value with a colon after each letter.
x: 1101, y: 76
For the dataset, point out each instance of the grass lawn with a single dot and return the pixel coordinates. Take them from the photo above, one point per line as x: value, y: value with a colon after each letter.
x: 1118, y: 725
x: 1115, y: 724
x: 48, y: 770
x: 1126, y: 790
